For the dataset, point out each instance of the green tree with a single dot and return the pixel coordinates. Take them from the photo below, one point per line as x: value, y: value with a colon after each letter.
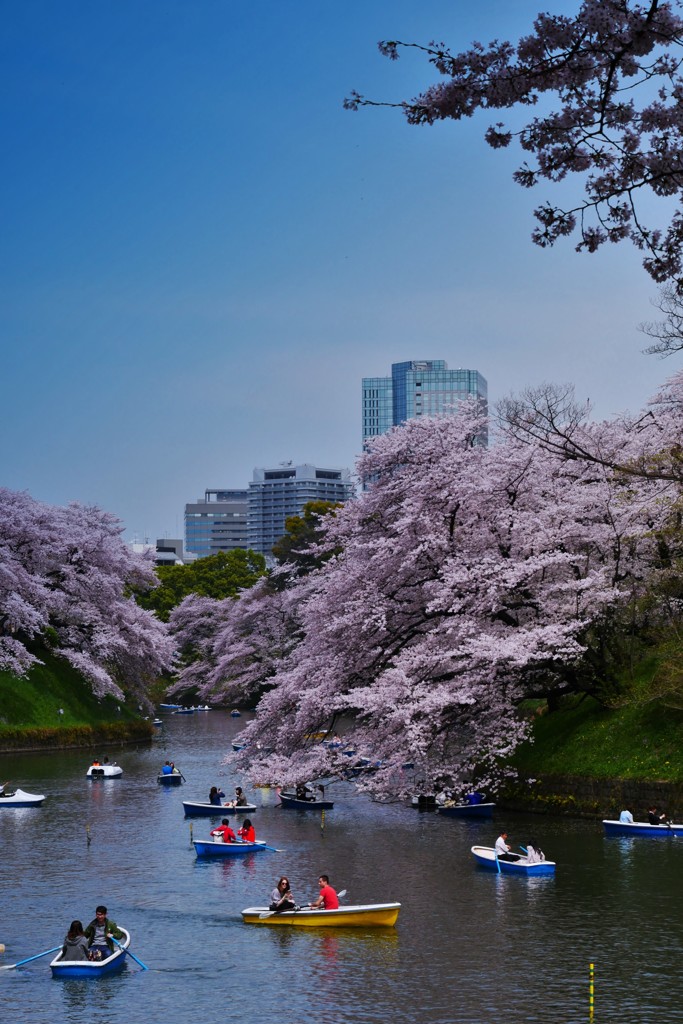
x: 217, y: 576
x: 298, y: 546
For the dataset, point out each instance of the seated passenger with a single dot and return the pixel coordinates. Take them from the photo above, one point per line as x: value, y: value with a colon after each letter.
x: 247, y: 833
x: 215, y: 796
x: 75, y: 943
x: 534, y: 853
x: 626, y: 818
x: 655, y: 818
x: 223, y: 832
x: 167, y: 769
x: 281, y: 898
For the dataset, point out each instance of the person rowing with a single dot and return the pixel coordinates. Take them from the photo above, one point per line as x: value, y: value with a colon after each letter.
x: 327, y: 900
x: 223, y: 833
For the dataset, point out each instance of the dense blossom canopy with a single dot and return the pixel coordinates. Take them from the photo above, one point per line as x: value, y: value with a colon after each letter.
x: 464, y: 581
x: 614, y: 116
x: 66, y: 579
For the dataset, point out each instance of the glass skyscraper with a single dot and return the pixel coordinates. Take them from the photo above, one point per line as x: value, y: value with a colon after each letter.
x: 420, y: 387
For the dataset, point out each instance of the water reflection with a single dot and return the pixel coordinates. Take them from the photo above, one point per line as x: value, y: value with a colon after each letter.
x: 470, y: 947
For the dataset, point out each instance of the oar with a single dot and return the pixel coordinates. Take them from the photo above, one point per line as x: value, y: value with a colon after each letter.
x: 9, y: 967
x: 270, y: 913
x: 125, y: 950
x: 497, y: 863
x: 264, y: 846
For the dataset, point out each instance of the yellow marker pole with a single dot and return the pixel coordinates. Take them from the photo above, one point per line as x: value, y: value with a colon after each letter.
x: 322, y: 820
x: 190, y: 833
x: 87, y: 835
x: 591, y: 991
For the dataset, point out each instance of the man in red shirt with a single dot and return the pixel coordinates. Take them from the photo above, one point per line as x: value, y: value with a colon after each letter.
x: 327, y: 900
x: 224, y: 832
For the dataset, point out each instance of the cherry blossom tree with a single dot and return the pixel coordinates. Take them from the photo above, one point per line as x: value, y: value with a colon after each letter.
x: 465, y: 581
x: 66, y: 582
x: 609, y: 88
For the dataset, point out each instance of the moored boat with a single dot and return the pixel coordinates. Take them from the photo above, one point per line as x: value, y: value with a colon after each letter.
x: 183, y: 711
x: 642, y: 828
x: 104, y: 771
x: 217, y: 848
x: 290, y: 800
x: 486, y: 857
x: 19, y: 798
x: 370, y: 915
x: 483, y: 810
x: 197, y: 808
x: 170, y: 707
x: 92, y: 968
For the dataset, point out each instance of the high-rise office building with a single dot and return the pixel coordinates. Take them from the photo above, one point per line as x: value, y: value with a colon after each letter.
x: 420, y: 387
x: 275, y: 494
x: 218, y: 523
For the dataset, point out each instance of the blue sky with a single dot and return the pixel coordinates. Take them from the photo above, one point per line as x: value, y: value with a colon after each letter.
x: 202, y: 253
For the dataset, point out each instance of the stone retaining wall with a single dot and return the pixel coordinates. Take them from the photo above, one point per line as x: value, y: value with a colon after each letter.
x: 583, y: 797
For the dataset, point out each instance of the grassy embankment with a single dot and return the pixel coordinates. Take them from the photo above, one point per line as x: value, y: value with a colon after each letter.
x: 30, y: 718
x: 641, y: 741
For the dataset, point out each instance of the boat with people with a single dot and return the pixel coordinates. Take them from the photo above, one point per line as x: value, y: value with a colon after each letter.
x: 218, y: 848
x: 296, y: 800
x: 104, y: 770
x: 482, y: 810
x: 486, y: 857
x: 368, y: 915
x: 183, y: 711
x: 19, y: 798
x: 235, y: 713
x: 198, y: 808
x: 642, y: 828
x: 170, y: 707
x: 172, y: 779
x: 112, y: 964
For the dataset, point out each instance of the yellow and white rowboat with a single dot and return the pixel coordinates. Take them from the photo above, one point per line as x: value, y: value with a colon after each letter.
x: 370, y: 915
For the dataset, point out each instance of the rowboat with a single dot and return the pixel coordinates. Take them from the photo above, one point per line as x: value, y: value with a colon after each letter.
x: 641, y: 828
x: 485, y: 857
x: 183, y: 711
x: 18, y: 798
x: 217, y: 848
x: 92, y: 968
x: 291, y: 800
x: 170, y: 707
x: 370, y: 915
x: 104, y: 771
x: 171, y: 779
x: 467, y: 811
x: 195, y: 809
x: 235, y: 713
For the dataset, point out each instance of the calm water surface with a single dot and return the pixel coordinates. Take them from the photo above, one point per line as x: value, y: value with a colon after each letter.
x: 470, y: 947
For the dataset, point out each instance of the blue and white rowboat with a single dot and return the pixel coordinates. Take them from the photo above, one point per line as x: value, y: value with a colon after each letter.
x: 483, y: 810
x: 195, y: 809
x: 217, y: 848
x: 92, y: 968
x: 485, y: 856
x: 642, y: 828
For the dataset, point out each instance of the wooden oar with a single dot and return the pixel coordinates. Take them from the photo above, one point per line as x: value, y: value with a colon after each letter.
x: 9, y: 967
x: 270, y: 913
x: 125, y: 950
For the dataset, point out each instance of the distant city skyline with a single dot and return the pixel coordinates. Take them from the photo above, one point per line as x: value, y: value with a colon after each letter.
x: 203, y: 253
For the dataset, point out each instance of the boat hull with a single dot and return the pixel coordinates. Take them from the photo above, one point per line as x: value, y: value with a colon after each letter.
x: 217, y: 848
x: 377, y: 915
x: 290, y: 801
x: 195, y: 809
x: 19, y: 798
x: 485, y: 856
x: 104, y: 771
x: 174, y: 779
x: 642, y: 828
x: 467, y: 811
x: 92, y: 968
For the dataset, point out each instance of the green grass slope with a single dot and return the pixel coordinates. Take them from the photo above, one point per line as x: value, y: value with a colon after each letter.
x: 582, y: 738
x: 30, y: 710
